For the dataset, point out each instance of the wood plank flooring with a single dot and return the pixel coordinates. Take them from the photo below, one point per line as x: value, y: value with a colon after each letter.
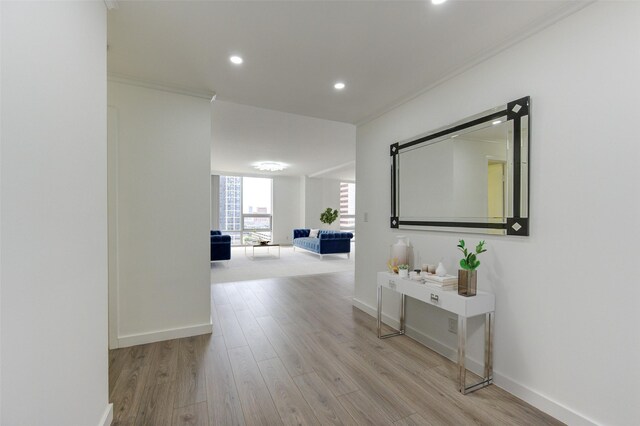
x: 293, y: 351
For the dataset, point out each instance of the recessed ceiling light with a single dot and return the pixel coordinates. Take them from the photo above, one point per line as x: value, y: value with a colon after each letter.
x: 339, y: 85
x: 236, y: 60
x: 437, y: 1
x: 497, y: 122
x: 270, y: 166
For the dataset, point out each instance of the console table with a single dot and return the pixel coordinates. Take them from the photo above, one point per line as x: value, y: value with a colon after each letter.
x: 464, y: 307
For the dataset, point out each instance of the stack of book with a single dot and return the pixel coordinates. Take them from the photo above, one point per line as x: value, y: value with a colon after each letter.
x: 447, y: 282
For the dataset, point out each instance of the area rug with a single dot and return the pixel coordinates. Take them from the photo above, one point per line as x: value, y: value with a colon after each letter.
x: 266, y: 265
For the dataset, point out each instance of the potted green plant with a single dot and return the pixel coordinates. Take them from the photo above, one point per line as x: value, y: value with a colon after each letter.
x: 467, y: 276
x: 329, y: 216
x: 403, y: 271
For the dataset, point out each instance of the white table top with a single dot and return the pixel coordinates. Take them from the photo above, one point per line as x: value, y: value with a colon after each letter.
x: 432, y: 294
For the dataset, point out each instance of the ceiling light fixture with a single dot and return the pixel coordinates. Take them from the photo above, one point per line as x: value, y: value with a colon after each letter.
x: 270, y: 166
x: 437, y: 1
x: 497, y: 122
x: 236, y: 60
x: 339, y: 85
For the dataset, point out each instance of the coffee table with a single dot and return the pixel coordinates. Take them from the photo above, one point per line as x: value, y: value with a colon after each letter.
x: 254, y: 246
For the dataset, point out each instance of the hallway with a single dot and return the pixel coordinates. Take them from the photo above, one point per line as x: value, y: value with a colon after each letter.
x: 294, y: 351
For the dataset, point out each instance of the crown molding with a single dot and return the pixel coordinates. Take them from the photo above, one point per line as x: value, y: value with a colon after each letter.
x: 111, y: 4
x: 321, y: 173
x: 148, y: 84
x: 528, y: 31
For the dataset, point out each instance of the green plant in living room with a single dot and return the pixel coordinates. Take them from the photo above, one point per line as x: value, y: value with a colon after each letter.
x: 470, y: 261
x: 329, y: 216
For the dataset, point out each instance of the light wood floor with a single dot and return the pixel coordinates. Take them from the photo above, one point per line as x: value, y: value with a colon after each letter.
x: 294, y: 351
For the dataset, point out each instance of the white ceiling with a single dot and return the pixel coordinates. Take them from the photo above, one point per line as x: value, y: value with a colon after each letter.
x: 242, y: 135
x: 294, y: 51
x: 385, y: 51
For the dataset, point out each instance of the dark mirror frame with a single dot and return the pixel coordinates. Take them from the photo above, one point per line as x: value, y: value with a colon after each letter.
x: 518, y: 224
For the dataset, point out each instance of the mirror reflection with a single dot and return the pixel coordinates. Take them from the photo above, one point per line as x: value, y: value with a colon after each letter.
x: 471, y: 175
x: 462, y: 176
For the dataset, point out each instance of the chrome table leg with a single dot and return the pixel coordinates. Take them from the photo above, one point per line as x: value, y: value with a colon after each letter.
x: 402, y: 317
x: 462, y: 340
x: 379, y: 311
x: 488, y: 355
x: 488, y: 346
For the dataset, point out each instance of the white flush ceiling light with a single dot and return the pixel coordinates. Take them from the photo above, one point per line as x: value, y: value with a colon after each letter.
x: 236, y: 60
x: 269, y: 166
x: 437, y: 1
x: 339, y: 85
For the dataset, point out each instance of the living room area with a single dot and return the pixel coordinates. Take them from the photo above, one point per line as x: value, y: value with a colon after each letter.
x: 290, y: 171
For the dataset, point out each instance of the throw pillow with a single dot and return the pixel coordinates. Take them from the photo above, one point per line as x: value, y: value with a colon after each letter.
x: 314, y: 233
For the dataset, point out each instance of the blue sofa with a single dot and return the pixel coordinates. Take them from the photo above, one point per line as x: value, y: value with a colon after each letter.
x: 220, y: 246
x: 328, y: 242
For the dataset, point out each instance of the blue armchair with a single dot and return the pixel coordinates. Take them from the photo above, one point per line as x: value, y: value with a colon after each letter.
x: 220, y: 246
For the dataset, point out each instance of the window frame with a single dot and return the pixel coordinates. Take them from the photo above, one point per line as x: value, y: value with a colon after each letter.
x: 347, y: 216
x: 243, y: 232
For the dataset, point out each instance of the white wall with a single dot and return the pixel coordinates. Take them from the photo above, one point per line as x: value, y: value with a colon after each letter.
x: 54, y: 214
x: 163, y: 201
x: 319, y: 194
x: 302, y: 199
x: 286, y: 208
x: 566, y: 297
x: 1, y: 96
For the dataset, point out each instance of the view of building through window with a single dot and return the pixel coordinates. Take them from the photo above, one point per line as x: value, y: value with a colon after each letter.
x: 245, y: 208
x: 230, y: 203
x: 348, y: 207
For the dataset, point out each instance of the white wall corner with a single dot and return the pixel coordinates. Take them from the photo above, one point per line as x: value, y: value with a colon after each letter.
x: 111, y: 4
x: 107, y: 417
x: 538, y: 400
x: 152, y: 256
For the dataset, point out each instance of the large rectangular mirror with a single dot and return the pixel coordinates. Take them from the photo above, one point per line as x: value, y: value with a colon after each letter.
x: 470, y: 176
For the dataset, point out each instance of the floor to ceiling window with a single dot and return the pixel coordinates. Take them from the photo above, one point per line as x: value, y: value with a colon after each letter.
x: 245, y: 209
x: 348, y: 207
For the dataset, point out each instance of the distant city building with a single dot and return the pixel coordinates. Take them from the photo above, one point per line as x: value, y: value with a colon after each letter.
x: 347, y: 206
x: 231, y: 216
x: 230, y: 203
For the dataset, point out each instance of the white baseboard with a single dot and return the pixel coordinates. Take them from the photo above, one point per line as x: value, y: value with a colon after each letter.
x: 107, y: 417
x: 542, y: 402
x: 433, y: 344
x: 538, y: 400
x: 158, y: 336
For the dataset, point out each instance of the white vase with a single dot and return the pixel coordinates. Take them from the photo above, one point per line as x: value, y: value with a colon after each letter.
x: 399, y: 250
x: 403, y: 273
x: 441, y: 271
